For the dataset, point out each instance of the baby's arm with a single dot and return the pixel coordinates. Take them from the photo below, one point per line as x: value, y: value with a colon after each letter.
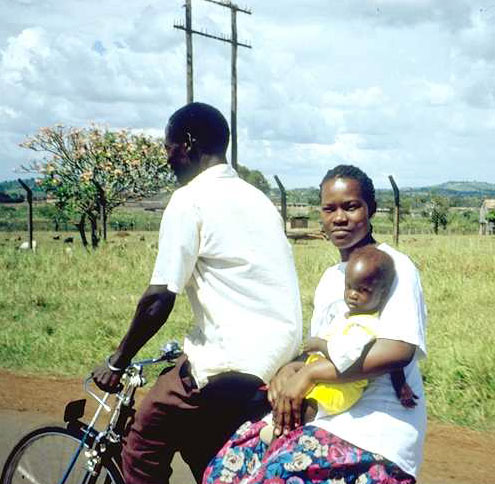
x: 346, y: 348
x: 316, y: 344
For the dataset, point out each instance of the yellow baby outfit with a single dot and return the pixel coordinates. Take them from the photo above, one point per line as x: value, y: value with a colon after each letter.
x: 346, y: 340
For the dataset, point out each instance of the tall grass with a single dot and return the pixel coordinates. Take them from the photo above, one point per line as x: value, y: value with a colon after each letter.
x: 61, y: 311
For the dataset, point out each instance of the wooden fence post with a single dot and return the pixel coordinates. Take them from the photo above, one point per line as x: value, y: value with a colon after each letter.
x: 396, y: 209
x: 29, y: 197
x: 283, y: 201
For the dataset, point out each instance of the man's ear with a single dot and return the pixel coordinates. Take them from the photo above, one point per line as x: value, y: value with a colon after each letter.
x: 189, y: 143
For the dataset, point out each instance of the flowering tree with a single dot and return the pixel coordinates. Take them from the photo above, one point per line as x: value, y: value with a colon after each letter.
x: 91, y: 171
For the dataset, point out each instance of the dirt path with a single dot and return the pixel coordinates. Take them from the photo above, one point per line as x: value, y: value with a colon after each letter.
x: 453, y: 455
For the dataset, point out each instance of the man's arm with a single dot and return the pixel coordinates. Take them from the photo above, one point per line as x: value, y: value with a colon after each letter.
x: 152, y: 311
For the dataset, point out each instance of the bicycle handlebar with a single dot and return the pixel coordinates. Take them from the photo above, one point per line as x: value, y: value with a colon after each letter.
x: 169, y: 352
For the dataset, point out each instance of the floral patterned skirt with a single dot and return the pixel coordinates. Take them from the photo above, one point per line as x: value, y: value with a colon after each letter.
x: 306, y: 455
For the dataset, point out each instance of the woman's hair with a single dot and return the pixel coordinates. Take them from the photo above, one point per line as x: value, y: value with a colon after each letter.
x: 353, y: 172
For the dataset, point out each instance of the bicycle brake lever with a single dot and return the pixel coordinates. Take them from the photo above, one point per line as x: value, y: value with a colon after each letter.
x: 171, y: 350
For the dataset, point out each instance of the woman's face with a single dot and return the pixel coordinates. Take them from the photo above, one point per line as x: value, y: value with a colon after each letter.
x: 344, y: 212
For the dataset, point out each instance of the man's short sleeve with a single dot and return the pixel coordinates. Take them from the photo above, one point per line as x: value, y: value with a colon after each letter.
x: 178, y: 244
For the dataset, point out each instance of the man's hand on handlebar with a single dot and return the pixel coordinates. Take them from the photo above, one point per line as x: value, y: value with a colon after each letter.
x: 107, y: 377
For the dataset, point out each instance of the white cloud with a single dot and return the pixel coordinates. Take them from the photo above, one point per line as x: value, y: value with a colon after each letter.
x: 478, y: 40
x: 359, y: 98
x: 402, y: 86
x: 22, y: 54
x: 433, y: 93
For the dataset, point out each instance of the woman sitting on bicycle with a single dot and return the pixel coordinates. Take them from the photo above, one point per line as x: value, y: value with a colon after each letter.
x: 377, y: 440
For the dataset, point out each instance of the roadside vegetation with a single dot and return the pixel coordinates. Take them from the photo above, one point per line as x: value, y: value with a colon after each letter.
x: 63, y: 308
x: 145, y: 215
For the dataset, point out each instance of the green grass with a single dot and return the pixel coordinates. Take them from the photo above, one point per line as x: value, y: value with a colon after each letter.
x: 61, y: 313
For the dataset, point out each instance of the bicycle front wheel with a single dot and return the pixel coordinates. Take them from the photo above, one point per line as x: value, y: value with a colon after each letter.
x: 44, y: 455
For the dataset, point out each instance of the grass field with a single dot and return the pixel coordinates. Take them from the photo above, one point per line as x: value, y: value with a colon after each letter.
x: 62, y: 311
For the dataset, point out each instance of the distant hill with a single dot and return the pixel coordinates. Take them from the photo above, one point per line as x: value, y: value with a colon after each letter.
x: 458, y: 187
x: 11, y: 190
x: 460, y: 193
x: 467, y: 186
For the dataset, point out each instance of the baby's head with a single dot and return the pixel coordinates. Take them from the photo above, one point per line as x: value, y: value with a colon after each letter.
x: 369, y: 276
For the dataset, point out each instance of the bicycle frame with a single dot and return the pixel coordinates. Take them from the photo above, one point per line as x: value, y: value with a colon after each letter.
x: 108, y: 443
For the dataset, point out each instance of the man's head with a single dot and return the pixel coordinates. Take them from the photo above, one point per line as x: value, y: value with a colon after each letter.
x: 369, y: 276
x: 193, y: 133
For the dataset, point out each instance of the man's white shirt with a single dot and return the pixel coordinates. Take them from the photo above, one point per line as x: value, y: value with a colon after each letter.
x: 222, y: 240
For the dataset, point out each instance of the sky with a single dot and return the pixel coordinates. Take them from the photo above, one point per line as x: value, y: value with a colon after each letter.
x: 396, y: 87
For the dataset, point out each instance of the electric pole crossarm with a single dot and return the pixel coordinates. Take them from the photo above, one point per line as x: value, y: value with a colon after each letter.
x: 211, y: 36
x: 230, y: 5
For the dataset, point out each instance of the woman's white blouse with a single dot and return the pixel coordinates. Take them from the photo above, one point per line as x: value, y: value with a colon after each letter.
x: 378, y: 422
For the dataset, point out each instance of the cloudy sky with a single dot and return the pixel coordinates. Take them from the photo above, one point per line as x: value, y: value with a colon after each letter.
x: 401, y: 87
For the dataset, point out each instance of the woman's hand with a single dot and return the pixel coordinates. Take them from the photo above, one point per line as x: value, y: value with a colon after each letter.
x: 288, y: 404
x: 277, y: 383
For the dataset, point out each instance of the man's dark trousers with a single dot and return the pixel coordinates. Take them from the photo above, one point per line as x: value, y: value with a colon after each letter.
x: 177, y: 417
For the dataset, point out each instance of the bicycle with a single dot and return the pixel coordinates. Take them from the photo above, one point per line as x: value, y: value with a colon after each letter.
x: 79, y: 453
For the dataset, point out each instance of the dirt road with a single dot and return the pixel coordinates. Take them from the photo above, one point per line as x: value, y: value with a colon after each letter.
x: 453, y: 455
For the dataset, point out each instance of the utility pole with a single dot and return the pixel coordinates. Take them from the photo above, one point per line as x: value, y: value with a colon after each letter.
x: 233, y: 88
x: 187, y: 27
x: 189, y: 52
x: 235, y: 44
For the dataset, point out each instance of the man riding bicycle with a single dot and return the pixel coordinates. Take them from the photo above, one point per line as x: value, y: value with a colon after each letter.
x: 222, y: 241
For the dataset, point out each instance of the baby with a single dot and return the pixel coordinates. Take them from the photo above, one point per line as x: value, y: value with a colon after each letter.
x: 369, y: 276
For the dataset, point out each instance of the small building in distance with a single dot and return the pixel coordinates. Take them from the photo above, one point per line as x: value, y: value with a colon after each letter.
x: 487, y: 222
x: 299, y: 222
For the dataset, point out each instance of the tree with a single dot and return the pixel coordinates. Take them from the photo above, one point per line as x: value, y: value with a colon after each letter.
x: 404, y: 209
x: 490, y: 216
x: 255, y: 178
x: 6, y: 198
x: 436, y: 210
x: 90, y: 171
x: 54, y: 213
